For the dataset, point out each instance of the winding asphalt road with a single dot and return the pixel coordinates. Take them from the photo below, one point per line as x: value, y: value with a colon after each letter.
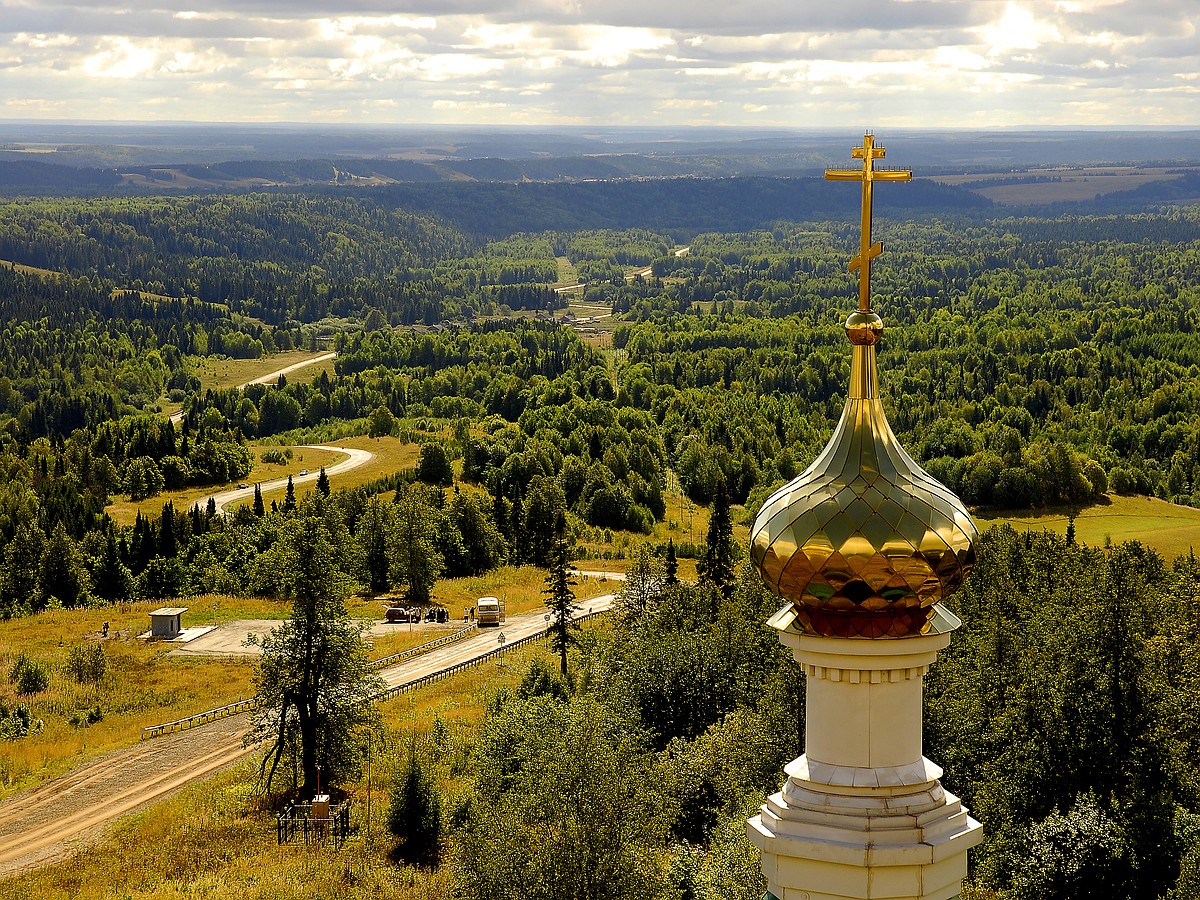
x: 354, y: 459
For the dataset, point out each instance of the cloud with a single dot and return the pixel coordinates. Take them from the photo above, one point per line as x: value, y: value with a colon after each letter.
x: 933, y: 62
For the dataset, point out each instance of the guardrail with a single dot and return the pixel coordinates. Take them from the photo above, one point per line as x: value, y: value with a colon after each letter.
x: 200, y: 718
x: 425, y: 648
x: 245, y: 705
x: 398, y: 689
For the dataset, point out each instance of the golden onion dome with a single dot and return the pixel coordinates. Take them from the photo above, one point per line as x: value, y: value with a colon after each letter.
x: 864, y: 543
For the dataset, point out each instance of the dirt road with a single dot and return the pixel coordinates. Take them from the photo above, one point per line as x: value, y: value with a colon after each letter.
x: 51, y: 821
x: 47, y: 823
x: 270, y: 378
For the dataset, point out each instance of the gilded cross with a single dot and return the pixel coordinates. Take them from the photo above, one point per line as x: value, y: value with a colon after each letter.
x: 868, y: 153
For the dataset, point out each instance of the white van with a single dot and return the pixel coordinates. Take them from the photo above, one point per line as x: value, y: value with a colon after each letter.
x: 489, y: 612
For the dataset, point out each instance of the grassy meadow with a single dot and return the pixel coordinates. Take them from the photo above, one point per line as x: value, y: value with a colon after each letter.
x: 216, y: 840
x: 144, y: 686
x: 1073, y: 184
x: 1171, y: 530
x: 391, y: 455
x: 141, y: 685
x: 217, y: 373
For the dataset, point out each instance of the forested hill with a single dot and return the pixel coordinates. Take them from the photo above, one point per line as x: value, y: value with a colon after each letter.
x: 686, y: 205
x: 498, y: 201
x: 32, y: 175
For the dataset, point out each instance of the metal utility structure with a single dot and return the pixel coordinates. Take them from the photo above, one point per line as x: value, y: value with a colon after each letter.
x: 863, y: 545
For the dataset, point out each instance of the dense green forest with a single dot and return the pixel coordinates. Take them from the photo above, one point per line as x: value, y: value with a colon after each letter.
x: 1028, y: 362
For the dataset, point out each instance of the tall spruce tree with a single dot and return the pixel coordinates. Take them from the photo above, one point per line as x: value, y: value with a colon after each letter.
x: 671, y: 566
x: 112, y: 578
x: 168, y: 542
x: 374, y: 526
x: 414, y: 814
x: 716, y: 566
x: 560, y: 599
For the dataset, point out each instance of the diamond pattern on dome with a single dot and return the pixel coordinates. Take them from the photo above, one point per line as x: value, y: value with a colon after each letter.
x: 864, y: 543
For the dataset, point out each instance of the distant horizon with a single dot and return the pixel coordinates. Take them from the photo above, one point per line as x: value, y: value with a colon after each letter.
x: 594, y: 126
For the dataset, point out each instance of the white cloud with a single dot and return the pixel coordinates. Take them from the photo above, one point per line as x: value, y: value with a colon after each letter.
x: 603, y: 45
x: 121, y: 58
x: 493, y: 35
x: 930, y: 62
x: 344, y: 26
x: 1017, y: 29
x: 451, y: 66
x: 466, y: 104
x: 45, y: 41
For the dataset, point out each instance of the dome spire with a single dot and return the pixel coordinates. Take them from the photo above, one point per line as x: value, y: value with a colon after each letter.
x: 864, y: 543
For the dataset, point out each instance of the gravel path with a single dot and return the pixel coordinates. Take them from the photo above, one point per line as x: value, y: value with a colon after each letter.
x: 48, y: 822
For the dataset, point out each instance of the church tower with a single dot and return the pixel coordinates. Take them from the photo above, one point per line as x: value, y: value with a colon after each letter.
x: 863, y: 546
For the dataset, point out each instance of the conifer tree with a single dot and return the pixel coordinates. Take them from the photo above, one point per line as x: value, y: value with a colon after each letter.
x: 64, y: 575
x: 112, y: 578
x: 289, y: 498
x: 374, y: 526
x: 671, y: 566
x: 323, y: 482
x: 716, y: 565
x: 560, y: 599
x: 168, y: 543
x: 414, y: 814
x: 259, y: 509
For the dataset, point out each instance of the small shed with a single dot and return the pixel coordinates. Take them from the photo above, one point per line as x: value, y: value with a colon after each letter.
x: 164, y: 623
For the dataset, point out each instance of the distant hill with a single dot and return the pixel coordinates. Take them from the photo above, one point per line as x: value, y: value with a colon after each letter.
x: 497, y: 197
x: 668, y: 204
x: 31, y: 175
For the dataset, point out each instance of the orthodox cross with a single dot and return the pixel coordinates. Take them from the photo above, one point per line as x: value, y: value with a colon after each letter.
x: 868, y: 153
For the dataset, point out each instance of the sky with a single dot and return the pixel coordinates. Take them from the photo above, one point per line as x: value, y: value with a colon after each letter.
x: 791, y: 63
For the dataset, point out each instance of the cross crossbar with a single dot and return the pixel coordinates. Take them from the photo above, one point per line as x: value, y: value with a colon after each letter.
x: 869, y: 174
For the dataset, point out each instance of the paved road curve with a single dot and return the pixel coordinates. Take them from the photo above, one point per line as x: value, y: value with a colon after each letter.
x: 354, y: 459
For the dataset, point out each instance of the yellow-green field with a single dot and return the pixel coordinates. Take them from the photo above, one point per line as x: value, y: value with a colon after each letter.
x: 391, y: 455
x: 30, y: 270
x: 566, y: 273
x: 1073, y: 184
x: 141, y: 687
x: 1169, y: 529
x: 227, y: 373
x: 215, y: 840
x: 519, y: 588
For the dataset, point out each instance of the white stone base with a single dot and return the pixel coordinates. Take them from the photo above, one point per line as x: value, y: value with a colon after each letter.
x: 840, y: 833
